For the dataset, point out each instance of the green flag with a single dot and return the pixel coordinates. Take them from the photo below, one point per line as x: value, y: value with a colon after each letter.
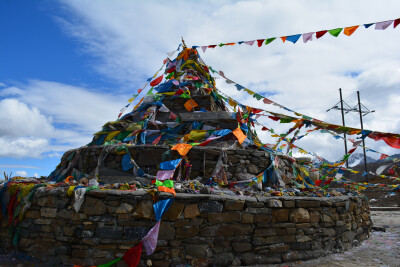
x: 257, y: 96
x: 269, y: 40
x: 335, y: 32
x: 111, y: 263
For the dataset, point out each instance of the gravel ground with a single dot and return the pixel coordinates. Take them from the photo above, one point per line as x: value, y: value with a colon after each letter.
x: 382, y: 249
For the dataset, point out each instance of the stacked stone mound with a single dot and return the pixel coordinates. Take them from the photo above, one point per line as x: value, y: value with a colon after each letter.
x: 161, y: 121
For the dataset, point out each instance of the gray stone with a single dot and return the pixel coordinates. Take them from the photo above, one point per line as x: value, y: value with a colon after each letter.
x: 110, y: 232
x: 224, y: 259
x: 210, y: 207
x: 299, y: 215
x: 274, y: 203
x: 198, y: 251
x: 135, y: 232
x: 48, y: 212
x: 348, y: 236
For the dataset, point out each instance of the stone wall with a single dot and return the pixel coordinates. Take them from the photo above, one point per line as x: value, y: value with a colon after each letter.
x: 199, y: 230
x: 242, y: 163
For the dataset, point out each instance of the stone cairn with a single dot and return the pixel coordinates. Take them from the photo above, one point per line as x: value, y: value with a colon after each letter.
x: 186, y: 109
x: 105, y: 199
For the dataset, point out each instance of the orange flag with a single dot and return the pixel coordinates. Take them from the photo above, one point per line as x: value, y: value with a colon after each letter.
x: 283, y: 38
x: 182, y: 149
x: 190, y: 105
x: 239, y: 135
x: 350, y: 30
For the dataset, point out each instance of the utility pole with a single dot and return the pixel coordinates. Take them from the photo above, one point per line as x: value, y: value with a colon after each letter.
x: 344, y: 134
x: 362, y: 128
x: 347, y: 108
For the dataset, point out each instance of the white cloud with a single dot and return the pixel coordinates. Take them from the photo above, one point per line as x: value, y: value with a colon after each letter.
x: 36, y: 175
x: 45, y: 118
x: 21, y: 173
x: 128, y: 40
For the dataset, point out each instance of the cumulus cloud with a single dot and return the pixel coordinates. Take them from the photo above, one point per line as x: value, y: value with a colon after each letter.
x: 42, y: 118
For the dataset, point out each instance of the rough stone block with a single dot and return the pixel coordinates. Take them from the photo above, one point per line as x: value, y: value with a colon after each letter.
x: 261, y: 218
x: 167, y: 232
x: 94, y: 206
x: 308, y: 203
x: 280, y: 215
x: 265, y: 232
x: 234, y: 230
x: 234, y: 205
x: 314, y: 217
x: 225, y: 217
x: 130, y: 233
x: 187, y: 231
x: 299, y: 215
x: 175, y: 211
x: 210, y: 207
x: 247, y: 218
x: 198, y: 251
x: 240, y: 247
x: 274, y: 203
x: 144, y: 209
x: 191, y: 211
x: 224, y: 259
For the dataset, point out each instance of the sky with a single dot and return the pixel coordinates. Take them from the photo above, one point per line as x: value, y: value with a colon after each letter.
x: 67, y: 67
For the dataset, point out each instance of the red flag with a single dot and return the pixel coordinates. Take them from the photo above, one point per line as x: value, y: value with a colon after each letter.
x: 212, y: 46
x: 132, y: 256
x: 179, y: 92
x: 260, y: 42
x: 320, y: 34
x: 396, y: 22
x: 157, y: 81
x: 157, y: 140
x: 264, y: 129
x: 318, y: 182
x: 384, y: 156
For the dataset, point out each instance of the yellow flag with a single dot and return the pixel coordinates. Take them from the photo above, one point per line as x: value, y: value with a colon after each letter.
x: 197, y: 134
x: 111, y: 135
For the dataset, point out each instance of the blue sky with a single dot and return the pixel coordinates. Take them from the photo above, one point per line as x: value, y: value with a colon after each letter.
x: 67, y: 67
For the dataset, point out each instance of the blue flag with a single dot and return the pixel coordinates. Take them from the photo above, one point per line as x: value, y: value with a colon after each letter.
x: 161, y: 207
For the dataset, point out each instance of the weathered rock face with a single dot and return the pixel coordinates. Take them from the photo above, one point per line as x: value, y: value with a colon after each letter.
x: 199, y: 230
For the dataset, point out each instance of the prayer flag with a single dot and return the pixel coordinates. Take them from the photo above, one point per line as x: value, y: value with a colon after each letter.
x: 161, y: 207
x: 320, y: 34
x: 239, y: 135
x: 250, y: 43
x: 350, y: 30
x: 383, y: 25
x: 269, y: 40
x: 155, y: 82
x: 197, y: 134
x: 182, y: 149
x: 307, y: 37
x: 260, y: 42
x: 150, y: 240
x: 166, y: 189
x: 164, y: 175
x: 335, y: 32
x: 170, y: 165
x: 190, y: 105
x: 396, y: 22
x: 283, y: 38
x: 132, y: 256
x: 293, y: 38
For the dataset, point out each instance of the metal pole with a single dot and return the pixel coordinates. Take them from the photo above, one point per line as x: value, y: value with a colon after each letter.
x: 344, y: 134
x: 362, y: 128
